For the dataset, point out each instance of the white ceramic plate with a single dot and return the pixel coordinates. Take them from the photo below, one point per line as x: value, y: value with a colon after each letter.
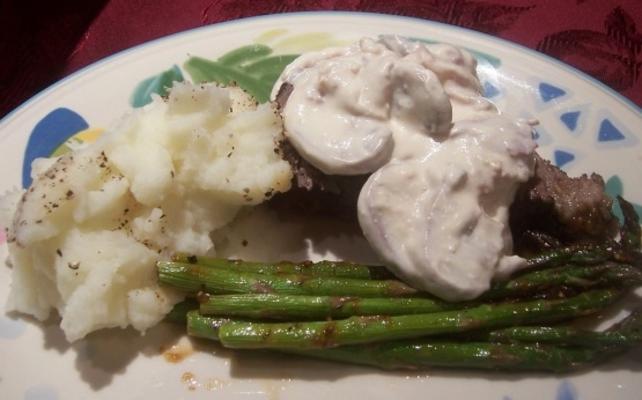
x: 584, y: 127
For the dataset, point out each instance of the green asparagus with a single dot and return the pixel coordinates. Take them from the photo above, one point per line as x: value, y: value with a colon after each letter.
x: 579, y: 254
x: 418, y: 354
x: 630, y: 232
x: 625, y: 334
x: 566, y: 335
x: 338, y: 269
x: 286, y: 307
x: 391, y: 325
x: 423, y: 353
x: 202, y: 326
x: 625, y: 251
x: 367, y: 329
x: 574, y: 276
x: 520, y: 348
x: 193, y: 278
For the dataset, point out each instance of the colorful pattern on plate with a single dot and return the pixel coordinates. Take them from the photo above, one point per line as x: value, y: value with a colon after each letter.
x: 48, y: 135
x: 614, y: 187
x: 157, y: 84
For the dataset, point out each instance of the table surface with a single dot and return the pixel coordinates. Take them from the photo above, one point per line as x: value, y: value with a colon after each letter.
x: 42, y: 42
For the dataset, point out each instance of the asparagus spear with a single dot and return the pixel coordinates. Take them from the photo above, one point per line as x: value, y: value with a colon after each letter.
x: 423, y: 353
x: 575, y: 276
x: 285, y: 307
x: 630, y: 232
x: 367, y: 329
x: 520, y: 352
x: 202, y: 326
x: 193, y: 278
x: 564, y: 335
x: 418, y: 354
x: 593, y: 254
x: 622, y: 335
x: 338, y: 269
x: 579, y: 254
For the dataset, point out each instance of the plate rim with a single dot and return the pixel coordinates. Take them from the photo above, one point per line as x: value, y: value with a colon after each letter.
x: 41, y: 95
x: 625, y: 101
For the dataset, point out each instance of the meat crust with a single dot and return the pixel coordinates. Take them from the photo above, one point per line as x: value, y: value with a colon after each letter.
x: 571, y: 210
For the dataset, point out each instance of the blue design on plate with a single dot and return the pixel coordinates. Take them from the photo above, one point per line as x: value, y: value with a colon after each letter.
x: 563, y: 157
x: 566, y: 391
x: 570, y: 119
x: 608, y: 132
x: 549, y: 92
x: 11, y: 328
x: 41, y: 392
x: 490, y: 90
x: 48, y: 134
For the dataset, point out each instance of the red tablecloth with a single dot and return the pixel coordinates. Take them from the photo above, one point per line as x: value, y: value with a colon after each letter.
x: 43, y: 41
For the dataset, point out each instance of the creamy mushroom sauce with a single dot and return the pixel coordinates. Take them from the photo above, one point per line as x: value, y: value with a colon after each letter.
x: 446, y: 164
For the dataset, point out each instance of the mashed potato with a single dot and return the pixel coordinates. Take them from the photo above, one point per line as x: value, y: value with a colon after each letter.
x: 84, y: 238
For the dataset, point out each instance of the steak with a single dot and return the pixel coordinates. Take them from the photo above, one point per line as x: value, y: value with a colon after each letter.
x: 570, y: 210
x: 550, y: 205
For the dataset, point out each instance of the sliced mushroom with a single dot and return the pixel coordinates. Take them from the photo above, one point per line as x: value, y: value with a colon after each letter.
x: 340, y: 108
x: 441, y: 223
x: 336, y: 140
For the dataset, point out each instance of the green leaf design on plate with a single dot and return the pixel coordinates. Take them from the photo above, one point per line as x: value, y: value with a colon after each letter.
x: 270, y: 65
x: 252, y: 68
x: 158, y: 84
x: 245, y: 54
x: 614, y: 188
x: 203, y: 70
